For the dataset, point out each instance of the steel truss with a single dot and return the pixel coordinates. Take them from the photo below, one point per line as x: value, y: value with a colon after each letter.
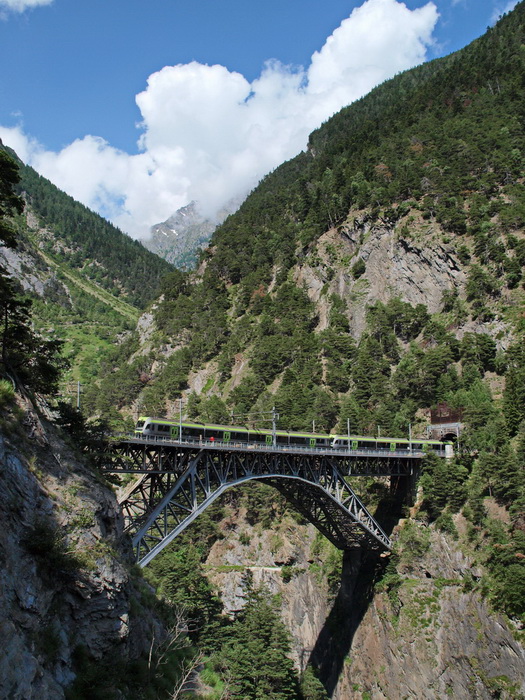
x: 137, y: 456
x: 178, y: 482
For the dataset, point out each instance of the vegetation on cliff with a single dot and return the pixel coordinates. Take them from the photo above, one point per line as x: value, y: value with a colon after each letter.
x: 245, y: 654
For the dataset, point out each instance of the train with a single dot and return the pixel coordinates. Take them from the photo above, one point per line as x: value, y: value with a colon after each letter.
x: 161, y: 428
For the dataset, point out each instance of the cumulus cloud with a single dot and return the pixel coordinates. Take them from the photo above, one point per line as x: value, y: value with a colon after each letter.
x: 209, y: 135
x: 21, y: 5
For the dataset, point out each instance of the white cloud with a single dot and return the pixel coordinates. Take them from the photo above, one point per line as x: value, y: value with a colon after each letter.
x: 21, y: 5
x: 210, y: 135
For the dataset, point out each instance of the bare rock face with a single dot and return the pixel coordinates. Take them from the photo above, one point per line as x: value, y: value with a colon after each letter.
x: 416, y: 266
x: 280, y: 561
x: 434, y: 639
x: 64, y: 582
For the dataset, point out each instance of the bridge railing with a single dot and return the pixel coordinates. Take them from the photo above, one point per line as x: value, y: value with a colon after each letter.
x: 279, y: 448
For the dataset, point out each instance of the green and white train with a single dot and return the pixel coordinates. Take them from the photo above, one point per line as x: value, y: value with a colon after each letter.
x: 161, y: 428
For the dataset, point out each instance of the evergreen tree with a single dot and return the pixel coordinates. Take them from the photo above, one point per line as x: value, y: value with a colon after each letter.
x: 514, y: 395
x: 10, y: 202
x: 311, y: 686
x: 443, y: 483
x: 254, y: 660
x: 183, y: 583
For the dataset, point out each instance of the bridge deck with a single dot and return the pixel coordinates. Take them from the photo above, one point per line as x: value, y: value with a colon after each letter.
x: 374, y: 452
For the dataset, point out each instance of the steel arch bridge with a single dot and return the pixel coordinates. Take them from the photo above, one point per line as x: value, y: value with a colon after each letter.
x: 179, y: 480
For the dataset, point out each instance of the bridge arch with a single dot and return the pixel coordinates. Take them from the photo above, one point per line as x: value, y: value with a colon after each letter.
x: 161, y: 505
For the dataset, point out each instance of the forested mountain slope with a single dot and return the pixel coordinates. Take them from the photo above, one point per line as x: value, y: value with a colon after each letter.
x: 87, y: 242
x: 365, y: 277
x: 88, y: 282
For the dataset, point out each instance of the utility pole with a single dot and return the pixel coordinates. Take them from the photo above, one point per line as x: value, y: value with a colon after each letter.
x: 78, y: 396
x: 275, y: 416
x: 180, y: 419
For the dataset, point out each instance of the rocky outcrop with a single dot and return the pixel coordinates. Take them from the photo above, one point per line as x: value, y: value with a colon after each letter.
x: 282, y: 560
x: 412, y: 263
x: 434, y: 638
x: 66, y: 585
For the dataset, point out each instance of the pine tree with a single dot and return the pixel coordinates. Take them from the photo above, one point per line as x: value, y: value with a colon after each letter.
x: 254, y: 661
x: 10, y: 202
x: 514, y: 395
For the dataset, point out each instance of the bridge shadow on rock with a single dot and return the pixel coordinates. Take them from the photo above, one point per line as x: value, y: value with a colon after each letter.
x: 361, y: 570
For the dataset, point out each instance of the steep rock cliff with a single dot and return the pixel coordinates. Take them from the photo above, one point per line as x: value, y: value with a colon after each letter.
x: 432, y: 635
x: 283, y: 560
x: 66, y: 582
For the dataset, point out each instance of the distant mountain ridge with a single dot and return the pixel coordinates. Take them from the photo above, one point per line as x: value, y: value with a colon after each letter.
x: 185, y: 233
x: 179, y: 238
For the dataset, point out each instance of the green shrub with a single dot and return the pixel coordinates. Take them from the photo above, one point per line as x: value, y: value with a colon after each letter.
x: 358, y: 269
x: 445, y: 523
x: 7, y: 393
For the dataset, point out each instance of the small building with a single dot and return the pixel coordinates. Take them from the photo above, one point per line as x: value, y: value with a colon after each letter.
x: 445, y: 422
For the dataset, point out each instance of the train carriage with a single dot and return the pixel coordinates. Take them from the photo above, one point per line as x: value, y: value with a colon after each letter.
x: 161, y: 428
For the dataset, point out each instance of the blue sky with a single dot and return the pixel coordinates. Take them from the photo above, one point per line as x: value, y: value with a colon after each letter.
x: 72, y: 71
